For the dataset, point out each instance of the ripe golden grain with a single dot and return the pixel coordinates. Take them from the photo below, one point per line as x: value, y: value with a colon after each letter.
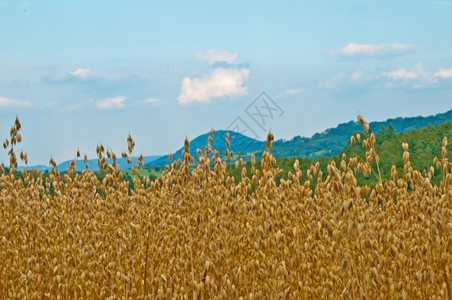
x: 200, y: 233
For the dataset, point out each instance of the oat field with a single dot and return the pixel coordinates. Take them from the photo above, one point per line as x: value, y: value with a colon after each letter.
x: 198, y: 233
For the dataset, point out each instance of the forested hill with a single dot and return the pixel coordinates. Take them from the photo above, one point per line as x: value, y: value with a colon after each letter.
x: 326, y: 144
x: 332, y: 141
x: 424, y: 145
x: 239, y: 143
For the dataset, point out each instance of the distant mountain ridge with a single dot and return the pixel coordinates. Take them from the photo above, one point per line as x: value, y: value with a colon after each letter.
x: 239, y: 143
x: 93, y: 166
x: 325, y: 144
x: 332, y: 141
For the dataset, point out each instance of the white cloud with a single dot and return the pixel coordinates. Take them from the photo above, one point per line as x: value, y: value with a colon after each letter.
x: 116, y: 102
x: 4, y: 4
x: 83, y: 73
x: 344, y: 79
x: 217, y: 55
x: 357, y: 75
x: 389, y: 85
x: 372, y: 50
x: 294, y: 91
x: 221, y: 82
x: 6, y: 102
x: 152, y: 100
x: 418, y: 77
x: 76, y: 106
x: 335, y: 81
x: 446, y: 3
x: 444, y: 73
x: 402, y: 73
x: 72, y: 107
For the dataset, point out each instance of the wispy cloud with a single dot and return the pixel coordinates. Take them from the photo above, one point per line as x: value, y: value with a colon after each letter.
x: 353, y: 50
x: 77, y: 106
x: 21, y: 5
x: 109, y: 103
x: 414, y: 78
x: 357, y: 75
x: 80, y: 75
x: 344, y: 79
x: 150, y: 101
x: 335, y: 81
x: 444, y: 73
x: 417, y: 77
x: 444, y: 3
x: 221, y: 82
x: 7, y: 102
x: 83, y: 73
x: 217, y: 56
x: 294, y: 91
x: 94, y: 85
x: 71, y: 107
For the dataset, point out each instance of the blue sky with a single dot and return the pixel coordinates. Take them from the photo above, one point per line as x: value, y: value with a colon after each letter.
x: 79, y: 73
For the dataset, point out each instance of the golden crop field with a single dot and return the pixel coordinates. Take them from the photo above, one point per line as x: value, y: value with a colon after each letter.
x: 198, y: 233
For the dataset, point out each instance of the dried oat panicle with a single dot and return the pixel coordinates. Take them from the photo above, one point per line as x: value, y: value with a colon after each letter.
x: 199, y: 232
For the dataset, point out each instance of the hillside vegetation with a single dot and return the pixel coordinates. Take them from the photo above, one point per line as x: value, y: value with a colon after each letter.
x: 424, y: 145
x: 326, y: 144
x: 332, y: 141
